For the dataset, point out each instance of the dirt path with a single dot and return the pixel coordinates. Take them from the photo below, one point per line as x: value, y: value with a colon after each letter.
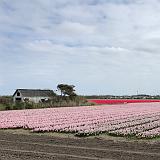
x: 36, y: 147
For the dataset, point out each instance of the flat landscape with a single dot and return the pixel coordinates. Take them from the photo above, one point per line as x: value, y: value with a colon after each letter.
x: 22, y: 145
x: 111, y: 132
x: 140, y: 120
x: 79, y: 80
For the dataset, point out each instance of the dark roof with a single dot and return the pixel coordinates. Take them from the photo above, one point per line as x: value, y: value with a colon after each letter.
x: 35, y: 93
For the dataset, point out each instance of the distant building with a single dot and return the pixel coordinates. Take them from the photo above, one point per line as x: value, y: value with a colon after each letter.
x: 32, y: 95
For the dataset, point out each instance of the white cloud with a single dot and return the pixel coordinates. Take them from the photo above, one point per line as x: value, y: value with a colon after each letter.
x: 110, y: 45
x: 74, y: 28
x: 1, y: 82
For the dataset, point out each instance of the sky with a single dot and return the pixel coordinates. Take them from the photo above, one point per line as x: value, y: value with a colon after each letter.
x: 100, y: 46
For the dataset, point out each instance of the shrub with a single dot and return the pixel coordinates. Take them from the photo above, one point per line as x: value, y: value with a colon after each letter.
x: 29, y: 105
x: 19, y: 105
x: 8, y: 106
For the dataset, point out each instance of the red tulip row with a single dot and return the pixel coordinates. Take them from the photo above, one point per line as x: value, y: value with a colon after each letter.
x: 122, y: 101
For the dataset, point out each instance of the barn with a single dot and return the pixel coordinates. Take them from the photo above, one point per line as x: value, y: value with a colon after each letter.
x: 32, y: 95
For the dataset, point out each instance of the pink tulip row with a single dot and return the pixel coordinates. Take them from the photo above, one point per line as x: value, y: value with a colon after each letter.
x: 134, y: 130
x: 141, y: 120
x: 150, y: 133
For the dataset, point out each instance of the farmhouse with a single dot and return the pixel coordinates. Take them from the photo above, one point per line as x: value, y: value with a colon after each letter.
x: 32, y: 95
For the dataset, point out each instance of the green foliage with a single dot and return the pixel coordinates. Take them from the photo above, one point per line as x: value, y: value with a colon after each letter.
x: 66, y: 89
x: 68, y: 98
x: 2, y: 107
x: 8, y: 106
x: 29, y: 105
x: 19, y: 105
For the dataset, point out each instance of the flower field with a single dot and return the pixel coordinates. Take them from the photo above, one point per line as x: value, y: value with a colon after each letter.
x: 135, y: 119
x: 121, y: 101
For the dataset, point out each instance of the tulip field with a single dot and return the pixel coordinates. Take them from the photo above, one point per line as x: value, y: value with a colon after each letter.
x: 122, y: 101
x: 141, y: 120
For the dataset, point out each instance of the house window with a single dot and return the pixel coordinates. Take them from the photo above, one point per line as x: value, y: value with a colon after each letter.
x: 42, y: 100
x: 18, y: 99
x: 18, y: 94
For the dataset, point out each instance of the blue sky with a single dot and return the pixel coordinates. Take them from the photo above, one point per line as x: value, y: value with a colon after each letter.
x: 100, y: 46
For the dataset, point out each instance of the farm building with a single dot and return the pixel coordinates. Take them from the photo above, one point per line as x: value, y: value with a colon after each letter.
x: 32, y: 95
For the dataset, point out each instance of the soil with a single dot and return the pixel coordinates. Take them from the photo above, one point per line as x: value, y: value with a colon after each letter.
x: 23, y: 145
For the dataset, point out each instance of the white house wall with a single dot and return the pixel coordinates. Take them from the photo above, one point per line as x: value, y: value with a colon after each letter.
x: 31, y: 99
x: 15, y: 96
x: 36, y: 99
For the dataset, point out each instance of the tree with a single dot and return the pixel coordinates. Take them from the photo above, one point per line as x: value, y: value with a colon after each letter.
x: 67, y: 90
